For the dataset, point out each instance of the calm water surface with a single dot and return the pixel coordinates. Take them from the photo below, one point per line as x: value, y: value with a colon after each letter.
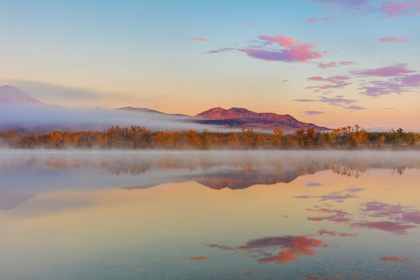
x: 209, y: 215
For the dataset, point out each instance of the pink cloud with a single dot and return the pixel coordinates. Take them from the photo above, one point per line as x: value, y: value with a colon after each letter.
x: 333, y: 233
x: 334, y: 64
x: 291, y: 50
x: 293, y: 247
x: 412, y: 81
x: 393, y: 39
x: 343, y: 102
x: 396, y: 8
x: 336, y: 82
x: 199, y: 258
x: 394, y: 227
x: 327, y: 232
x: 387, y: 9
x: 348, y: 234
x: 347, y: 62
x: 221, y: 247
x: 411, y: 217
x: 337, y: 218
x: 327, y: 65
x: 390, y: 71
x: 296, y: 53
x: 199, y: 39
x: 324, y: 19
x: 396, y: 212
x: 347, y: 5
x: 317, y: 78
x: 379, y: 209
x: 334, y: 79
x: 395, y: 85
x: 379, y: 88
x: 396, y: 258
x: 338, y: 197
x: 280, y: 39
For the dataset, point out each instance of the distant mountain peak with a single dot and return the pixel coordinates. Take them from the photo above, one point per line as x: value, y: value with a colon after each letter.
x: 240, y: 117
x: 236, y: 112
x: 13, y: 95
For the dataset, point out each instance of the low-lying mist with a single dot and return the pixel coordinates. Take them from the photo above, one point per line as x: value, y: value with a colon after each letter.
x: 46, y: 118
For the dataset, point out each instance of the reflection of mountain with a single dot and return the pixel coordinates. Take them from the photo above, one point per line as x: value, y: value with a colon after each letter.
x: 241, y: 180
x: 13, y: 200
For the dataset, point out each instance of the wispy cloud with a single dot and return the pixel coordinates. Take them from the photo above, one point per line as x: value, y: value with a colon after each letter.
x: 389, y: 71
x: 291, y: 247
x: 199, y: 258
x: 278, y: 48
x: 335, y: 64
x: 396, y: 85
x: 299, y: 52
x: 388, y: 9
x: 394, y: 227
x: 395, y: 258
x: 346, y: 5
x: 324, y: 19
x: 411, y: 81
x: 200, y: 39
x: 338, y: 100
x: 355, y: 107
x: 393, y: 39
x: 379, y: 88
x: 396, y: 212
x: 337, y: 216
x: 334, y: 79
x: 313, y: 184
x: 222, y: 50
x: 399, y: 8
x: 335, y: 82
x: 336, y: 196
x: 314, y: 113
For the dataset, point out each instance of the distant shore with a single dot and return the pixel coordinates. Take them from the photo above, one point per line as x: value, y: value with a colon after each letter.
x: 135, y: 137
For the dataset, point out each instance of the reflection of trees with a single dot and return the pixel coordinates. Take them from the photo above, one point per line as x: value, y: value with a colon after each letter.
x: 349, y: 171
x: 137, y: 164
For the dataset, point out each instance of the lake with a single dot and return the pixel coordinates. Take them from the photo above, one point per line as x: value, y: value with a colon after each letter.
x: 209, y: 215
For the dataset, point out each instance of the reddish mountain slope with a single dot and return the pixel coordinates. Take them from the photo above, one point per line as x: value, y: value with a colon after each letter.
x: 240, y: 117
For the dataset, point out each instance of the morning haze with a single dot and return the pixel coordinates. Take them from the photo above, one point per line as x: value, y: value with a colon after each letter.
x: 209, y: 139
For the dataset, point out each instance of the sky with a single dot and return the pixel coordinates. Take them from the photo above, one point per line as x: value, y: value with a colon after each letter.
x: 333, y: 63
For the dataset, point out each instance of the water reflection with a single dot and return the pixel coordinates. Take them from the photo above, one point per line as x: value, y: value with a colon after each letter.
x: 220, y: 215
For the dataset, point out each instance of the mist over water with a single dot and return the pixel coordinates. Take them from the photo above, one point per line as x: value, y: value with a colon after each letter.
x: 218, y: 214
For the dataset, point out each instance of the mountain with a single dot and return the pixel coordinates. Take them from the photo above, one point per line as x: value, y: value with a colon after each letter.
x: 240, y: 117
x: 12, y: 95
x: 146, y: 110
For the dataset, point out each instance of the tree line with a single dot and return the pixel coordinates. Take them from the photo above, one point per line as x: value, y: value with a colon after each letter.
x: 135, y: 137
